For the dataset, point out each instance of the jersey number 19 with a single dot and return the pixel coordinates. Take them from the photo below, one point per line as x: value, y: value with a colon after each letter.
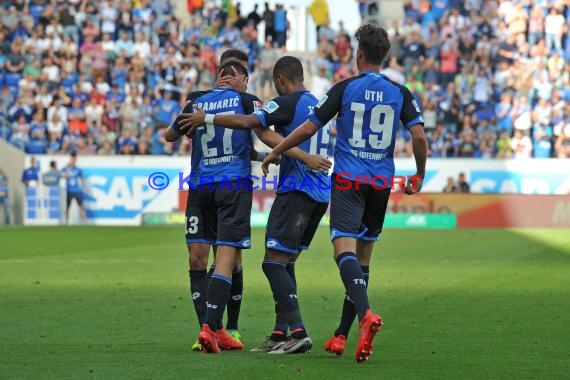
x: 381, y: 126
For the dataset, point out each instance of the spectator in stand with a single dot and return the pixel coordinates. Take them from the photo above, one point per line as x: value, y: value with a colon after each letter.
x: 521, y: 145
x: 4, y: 199
x: 269, y: 19
x: 30, y: 175
x: 462, y: 184
x: 319, y: 11
x: 280, y: 26
x: 563, y: 142
x: 462, y: 57
x: 450, y: 186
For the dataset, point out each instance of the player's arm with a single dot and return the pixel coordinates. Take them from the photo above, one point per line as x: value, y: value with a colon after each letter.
x: 280, y: 112
x: 177, y: 128
x: 325, y: 110
x: 272, y: 139
x: 232, y: 121
x: 411, y: 118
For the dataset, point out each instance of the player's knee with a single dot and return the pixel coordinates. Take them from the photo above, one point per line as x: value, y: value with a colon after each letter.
x: 281, y: 257
x: 197, y: 257
x: 198, y: 263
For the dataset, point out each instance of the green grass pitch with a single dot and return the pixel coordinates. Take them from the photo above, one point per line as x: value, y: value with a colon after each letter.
x: 113, y: 303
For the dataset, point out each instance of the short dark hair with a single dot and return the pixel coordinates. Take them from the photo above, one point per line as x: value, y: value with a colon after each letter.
x: 237, y: 67
x: 374, y: 43
x: 233, y: 54
x: 289, y: 67
x: 52, y: 164
x: 73, y: 154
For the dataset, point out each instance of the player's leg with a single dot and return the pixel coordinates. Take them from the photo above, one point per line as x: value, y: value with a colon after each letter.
x: 82, y: 210
x: 234, y: 304
x: 232, y: 231
x: 347, y: 212
x: 291, y: 226
x: 198, y: 253
x: 376, y: 202
x: 68, y: 199
x: 363, y: 252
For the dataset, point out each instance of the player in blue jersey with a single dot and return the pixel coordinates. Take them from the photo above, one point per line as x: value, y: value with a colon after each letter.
x: 198, y: 247
x: 302, y: 197
x: 370, y: 108
x: 221, y: 160
x: 75, y: 186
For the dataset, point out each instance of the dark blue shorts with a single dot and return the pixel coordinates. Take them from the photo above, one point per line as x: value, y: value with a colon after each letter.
x: 293, y: 221
x: 357, y: 213
x: 77, y: 196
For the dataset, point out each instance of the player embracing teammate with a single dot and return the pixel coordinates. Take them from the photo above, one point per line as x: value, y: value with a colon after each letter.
x: 296, y: 212
x: 369, y: 109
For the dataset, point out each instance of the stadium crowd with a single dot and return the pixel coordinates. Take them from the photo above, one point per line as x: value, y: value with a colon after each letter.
x: 107, y: 77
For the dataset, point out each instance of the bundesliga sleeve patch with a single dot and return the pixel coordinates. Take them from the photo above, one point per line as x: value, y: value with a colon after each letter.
x: 322, y: 101
x: 271, y: 107
x: 257, y: 105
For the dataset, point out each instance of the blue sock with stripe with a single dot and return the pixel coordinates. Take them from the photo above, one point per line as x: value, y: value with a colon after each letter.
x: 218, y: 296
x: 354, y: 282
x: 285, y: 294
x: 348, y: 313
x: 198, y: 285
x: 281, y: 325
x: 234, y: 303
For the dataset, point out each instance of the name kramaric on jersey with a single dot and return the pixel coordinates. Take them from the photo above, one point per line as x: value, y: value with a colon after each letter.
x: 220, y: 104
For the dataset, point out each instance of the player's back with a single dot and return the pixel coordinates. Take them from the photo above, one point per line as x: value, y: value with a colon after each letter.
x: 300, y: 106
x: 370, y: 112
x: 223, y: 153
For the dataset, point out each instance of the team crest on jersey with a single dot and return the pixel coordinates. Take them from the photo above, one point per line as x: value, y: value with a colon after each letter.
x: 271, y: 107
x: 257, y: 105
x: 322, y: 101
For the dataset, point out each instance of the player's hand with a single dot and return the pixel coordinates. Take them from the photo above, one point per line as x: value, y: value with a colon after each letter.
x: 271, y: 158
x: 316, y: 162
x: 188, y: 120
x: 414, y: 184
x: 237, y: 82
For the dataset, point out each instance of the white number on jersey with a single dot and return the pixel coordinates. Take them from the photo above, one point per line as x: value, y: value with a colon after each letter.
x: 211, y: 133
x: 320, y: 141
x: 381, y: 137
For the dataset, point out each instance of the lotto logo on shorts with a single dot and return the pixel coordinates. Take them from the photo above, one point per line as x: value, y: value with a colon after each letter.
x: 271, y: 243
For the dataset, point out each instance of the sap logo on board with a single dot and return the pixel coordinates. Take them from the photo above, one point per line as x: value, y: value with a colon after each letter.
x: 120, y: 192
x: 519, y: 183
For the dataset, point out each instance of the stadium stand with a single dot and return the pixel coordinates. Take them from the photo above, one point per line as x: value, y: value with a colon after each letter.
x: 107, y: 77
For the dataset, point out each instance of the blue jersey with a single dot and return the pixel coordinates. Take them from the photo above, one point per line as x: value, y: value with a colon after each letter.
x: 30, y: 174
x: 72, y: 179
x: 287, y: 113
x: 3, y: 185
x: 370, y: 108
x: 220, y: 154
